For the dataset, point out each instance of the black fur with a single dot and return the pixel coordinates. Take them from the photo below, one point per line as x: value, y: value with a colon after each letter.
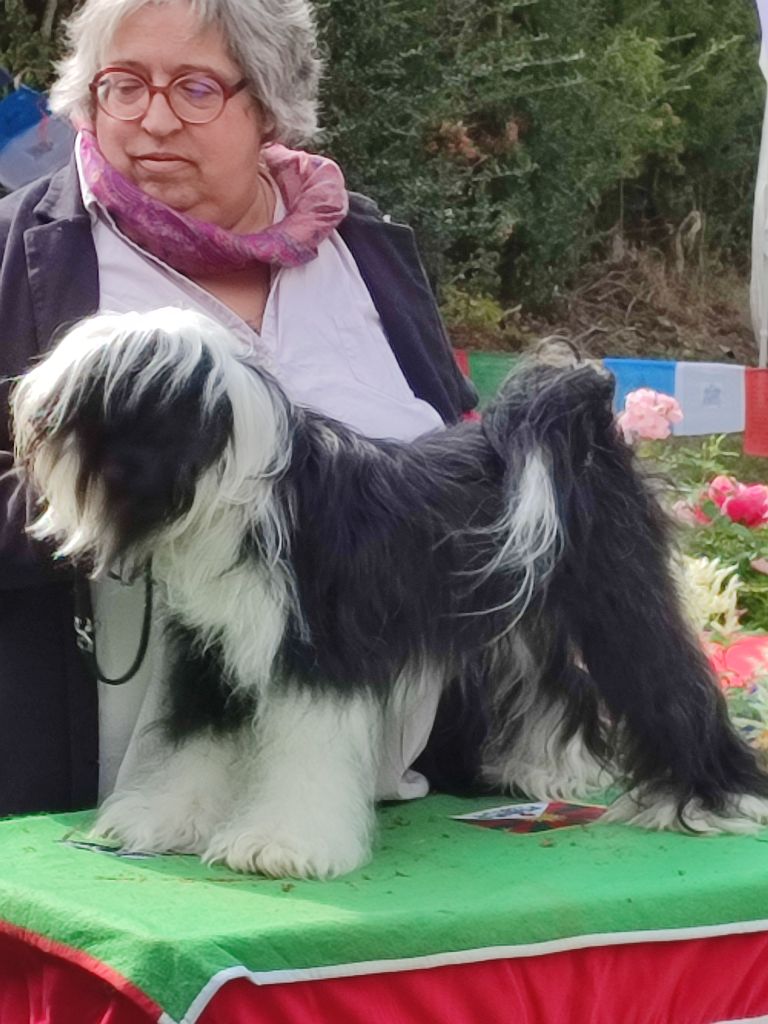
x: 199, y: 696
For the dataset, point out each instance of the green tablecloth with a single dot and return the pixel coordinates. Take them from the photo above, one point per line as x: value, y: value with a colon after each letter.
x: 436, y: 885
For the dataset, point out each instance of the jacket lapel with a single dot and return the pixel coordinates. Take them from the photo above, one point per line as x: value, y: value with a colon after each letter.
x: 61, y: 259
x: 389, y: 263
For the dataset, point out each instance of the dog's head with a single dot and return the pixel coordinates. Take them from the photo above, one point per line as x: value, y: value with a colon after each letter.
x: 119, y: 425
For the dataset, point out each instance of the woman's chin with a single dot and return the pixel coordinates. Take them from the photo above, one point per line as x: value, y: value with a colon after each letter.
x: 173, y: 194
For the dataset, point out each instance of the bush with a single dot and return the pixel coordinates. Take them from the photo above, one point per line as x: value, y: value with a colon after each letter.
x: 515, y: 135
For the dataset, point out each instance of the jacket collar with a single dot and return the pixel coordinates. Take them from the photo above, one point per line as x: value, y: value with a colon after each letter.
x: 62, y: 199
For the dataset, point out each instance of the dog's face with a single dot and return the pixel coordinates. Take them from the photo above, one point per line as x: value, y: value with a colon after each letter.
x: 145, y: 448
x: 116, y: 428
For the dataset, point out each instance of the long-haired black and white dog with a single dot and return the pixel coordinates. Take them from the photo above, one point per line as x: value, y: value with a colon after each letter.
x: 312, y: 577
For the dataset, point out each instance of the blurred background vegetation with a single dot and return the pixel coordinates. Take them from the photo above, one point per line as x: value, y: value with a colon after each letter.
x: 539, y: 146
x: 530, y: 142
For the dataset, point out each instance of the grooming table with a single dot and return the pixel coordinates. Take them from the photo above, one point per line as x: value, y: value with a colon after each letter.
x: 451, y: 923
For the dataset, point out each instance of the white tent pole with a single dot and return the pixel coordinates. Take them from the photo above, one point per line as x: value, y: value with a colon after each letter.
x: 759, y: 276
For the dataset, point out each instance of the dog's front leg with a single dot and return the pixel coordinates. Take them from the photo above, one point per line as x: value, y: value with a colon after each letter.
x: 306, y: 810
x: 177, y: 797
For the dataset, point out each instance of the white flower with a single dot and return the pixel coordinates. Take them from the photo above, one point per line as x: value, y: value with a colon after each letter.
x: 709, y: 592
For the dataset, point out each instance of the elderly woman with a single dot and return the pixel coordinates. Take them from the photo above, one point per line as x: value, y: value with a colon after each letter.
x: 182, y: 191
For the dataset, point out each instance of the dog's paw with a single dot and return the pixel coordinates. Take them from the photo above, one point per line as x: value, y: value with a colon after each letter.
x: 743, y: 814
x: 157, y: 822
x: 280, y: 848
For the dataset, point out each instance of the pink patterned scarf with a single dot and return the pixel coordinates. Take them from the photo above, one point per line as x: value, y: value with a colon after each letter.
x: 312, y: 188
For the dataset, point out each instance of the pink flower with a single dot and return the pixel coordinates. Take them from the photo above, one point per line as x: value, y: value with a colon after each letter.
x: 691, y: 515
x: 686, y: 513
x: 648, y: 414
x: 721, y: 488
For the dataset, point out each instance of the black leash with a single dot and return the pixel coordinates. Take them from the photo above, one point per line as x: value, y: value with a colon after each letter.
x: 85, y: 633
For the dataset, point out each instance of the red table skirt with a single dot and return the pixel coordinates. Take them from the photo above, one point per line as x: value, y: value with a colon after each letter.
x: 692, y: 981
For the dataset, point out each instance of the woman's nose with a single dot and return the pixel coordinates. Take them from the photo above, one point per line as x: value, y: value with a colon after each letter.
x: 160, y: 118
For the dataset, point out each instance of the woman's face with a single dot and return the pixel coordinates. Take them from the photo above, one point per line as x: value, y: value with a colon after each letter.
x: 207, y: 170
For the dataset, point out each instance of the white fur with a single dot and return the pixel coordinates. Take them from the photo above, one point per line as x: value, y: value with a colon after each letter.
x: 177, y: 802
x: 78, y: 530
x: 543, y: 766
x: 529, y: 538
x: 407, y: 719
x: 746, y: 814
x: 305, y: 808
x: 244, y: 609
x: 532, y: 529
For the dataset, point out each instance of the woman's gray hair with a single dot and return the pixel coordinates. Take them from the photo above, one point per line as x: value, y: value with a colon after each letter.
x: 272, y: 41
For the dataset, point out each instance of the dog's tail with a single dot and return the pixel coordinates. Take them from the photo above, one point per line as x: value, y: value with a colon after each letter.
x: 543, y: 427
x: 610, y: 604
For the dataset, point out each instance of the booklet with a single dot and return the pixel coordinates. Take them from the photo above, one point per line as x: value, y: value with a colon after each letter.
x: 540, y: 816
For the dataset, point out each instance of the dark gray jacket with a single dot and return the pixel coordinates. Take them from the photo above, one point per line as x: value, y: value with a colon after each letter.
x: 48, y: 280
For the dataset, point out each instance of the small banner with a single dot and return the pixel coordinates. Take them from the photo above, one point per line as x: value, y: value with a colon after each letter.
x: 462, y: 360
x: 711, y: 396
x: 630, y: 374
x: 756, y: 432
x: 488, y: 371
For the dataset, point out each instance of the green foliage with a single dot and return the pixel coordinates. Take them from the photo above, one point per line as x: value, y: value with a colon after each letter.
x: 478, y: 311
x: 23, y: 49
x: 515, y: 133
x: 417, y: 109
x: 717, y: 91
x: 693, y: 462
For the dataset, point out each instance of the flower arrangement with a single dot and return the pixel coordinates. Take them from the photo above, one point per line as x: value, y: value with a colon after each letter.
x: 722, y: 519
x: 723, y: 566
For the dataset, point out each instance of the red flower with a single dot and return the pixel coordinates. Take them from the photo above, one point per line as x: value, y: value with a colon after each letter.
x: 749, y: 505
x: 742, y: 503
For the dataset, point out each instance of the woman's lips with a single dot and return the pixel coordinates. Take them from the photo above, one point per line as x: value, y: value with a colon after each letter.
x: 160, y: 163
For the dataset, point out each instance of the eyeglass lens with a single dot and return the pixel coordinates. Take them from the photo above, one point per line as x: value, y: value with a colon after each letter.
x: 195, y: 98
